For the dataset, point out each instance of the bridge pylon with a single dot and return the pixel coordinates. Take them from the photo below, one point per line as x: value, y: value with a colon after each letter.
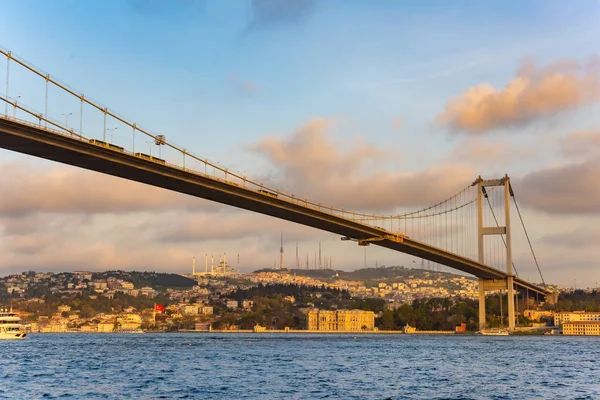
x: 482, y: 231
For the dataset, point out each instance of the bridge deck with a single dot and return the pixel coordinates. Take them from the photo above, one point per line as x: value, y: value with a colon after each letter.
x: 36, y: 141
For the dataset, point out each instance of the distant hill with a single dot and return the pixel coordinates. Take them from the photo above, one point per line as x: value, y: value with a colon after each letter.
x: 153, y: 279
x: 382, y: 273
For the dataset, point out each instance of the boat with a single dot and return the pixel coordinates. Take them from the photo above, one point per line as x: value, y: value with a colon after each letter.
x: 10, y: 325
x: 128, y: 331
x: 494, y: 332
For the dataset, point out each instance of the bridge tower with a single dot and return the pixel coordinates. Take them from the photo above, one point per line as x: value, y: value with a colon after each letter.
x: 495, y: 284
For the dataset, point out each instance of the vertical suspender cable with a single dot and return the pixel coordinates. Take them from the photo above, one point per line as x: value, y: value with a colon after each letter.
x: 527, y: 236
x: 7, y: 75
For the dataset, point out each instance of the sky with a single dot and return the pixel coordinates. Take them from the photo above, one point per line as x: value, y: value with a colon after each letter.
x: 381, y: 106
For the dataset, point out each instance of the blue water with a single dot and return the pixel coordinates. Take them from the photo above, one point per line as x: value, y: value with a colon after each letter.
x: 292, y: 366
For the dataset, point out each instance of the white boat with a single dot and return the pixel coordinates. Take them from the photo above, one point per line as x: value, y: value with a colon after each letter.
x: 494, y: 332
x: 10, y: 325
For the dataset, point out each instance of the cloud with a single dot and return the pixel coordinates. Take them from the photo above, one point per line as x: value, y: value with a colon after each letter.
x: 579, y: 144
x: 229, y: 225
x: 241, y: 85
x: 59, y: 189
x: 270, y: 13
x: 584, y: 236
x: 347, y: 173
x: 476, y: 150
x: 533, y: 94
x: 570, y: 188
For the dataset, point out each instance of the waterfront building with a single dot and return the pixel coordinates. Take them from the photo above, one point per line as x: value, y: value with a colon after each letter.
x: 129, y: 321
x: 581, y: 328
x: 575, y: 316
x: 340, y: 320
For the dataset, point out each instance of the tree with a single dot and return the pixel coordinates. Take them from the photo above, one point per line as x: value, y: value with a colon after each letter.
x: 386, y: 322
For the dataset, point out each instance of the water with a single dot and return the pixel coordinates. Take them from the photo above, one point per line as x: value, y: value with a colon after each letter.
x: 292, y: 366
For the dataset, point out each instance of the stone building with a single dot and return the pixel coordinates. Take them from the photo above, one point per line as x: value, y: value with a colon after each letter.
x: 340, y: 320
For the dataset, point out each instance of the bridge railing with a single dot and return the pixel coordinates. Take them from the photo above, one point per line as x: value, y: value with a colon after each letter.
x: 52, y: 126
x: 386, y: 223
x: 247, y: 182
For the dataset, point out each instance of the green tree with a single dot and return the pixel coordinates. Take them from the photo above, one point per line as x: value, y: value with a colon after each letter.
x: 386, y: 322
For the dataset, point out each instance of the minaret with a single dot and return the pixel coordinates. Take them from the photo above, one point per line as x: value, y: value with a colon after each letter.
x: 212, y: 264
x: 281, y: 253
x: 193, y: 266
x: 224, y: 260
x: 206, y: 263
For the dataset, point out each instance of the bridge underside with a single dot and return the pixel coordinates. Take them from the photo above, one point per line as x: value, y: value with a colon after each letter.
x: 37, y: 142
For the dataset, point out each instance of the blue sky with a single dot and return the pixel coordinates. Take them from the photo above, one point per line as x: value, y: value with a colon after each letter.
x: 219, y: 77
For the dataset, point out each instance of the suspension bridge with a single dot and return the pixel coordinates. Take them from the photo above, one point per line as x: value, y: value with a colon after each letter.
x: 469, y: 231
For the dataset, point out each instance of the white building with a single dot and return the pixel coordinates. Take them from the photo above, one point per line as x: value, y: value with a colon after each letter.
x: 575, y: 316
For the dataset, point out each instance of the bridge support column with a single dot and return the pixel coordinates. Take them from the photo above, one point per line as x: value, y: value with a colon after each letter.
x: 481, y: 304
x: 511, y: 303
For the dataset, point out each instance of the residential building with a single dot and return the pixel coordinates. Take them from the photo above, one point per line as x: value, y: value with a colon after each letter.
x: 64, y: 308
x: 107, y: 326
x: 232, y: 304
x: 535, y: 315
x: 189, y: 309
x: 207, y: 310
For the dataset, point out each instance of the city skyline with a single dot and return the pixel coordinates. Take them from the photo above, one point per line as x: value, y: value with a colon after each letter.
x: 291, y: 133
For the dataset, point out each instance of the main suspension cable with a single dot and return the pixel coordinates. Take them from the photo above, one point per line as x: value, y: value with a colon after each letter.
x: 528, y: 240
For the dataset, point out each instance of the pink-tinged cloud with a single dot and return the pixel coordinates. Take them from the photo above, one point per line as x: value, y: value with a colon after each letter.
x: 533, y: 94
x: 581, y: 144
x: 242, y: 85
x: 478, y: 151
x: 347, y: 174
x: 570, y: 188
x: 397, y: 124
x: 59, y: 189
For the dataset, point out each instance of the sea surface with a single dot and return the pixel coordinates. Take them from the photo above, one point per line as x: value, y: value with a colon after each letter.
x: 299, y: 366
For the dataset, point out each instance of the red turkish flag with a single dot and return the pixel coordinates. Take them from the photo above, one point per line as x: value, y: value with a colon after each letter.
x: 158, y: 307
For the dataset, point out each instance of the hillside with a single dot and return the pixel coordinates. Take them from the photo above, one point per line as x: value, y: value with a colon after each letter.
x: 152, y: 279
x: 381, y: 273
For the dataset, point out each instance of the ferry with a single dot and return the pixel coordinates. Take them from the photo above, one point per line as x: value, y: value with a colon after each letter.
x: 10, y: 325
x: 495, y: 332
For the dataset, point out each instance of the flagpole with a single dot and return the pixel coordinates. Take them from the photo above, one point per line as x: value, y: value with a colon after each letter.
x: 154, y: 313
